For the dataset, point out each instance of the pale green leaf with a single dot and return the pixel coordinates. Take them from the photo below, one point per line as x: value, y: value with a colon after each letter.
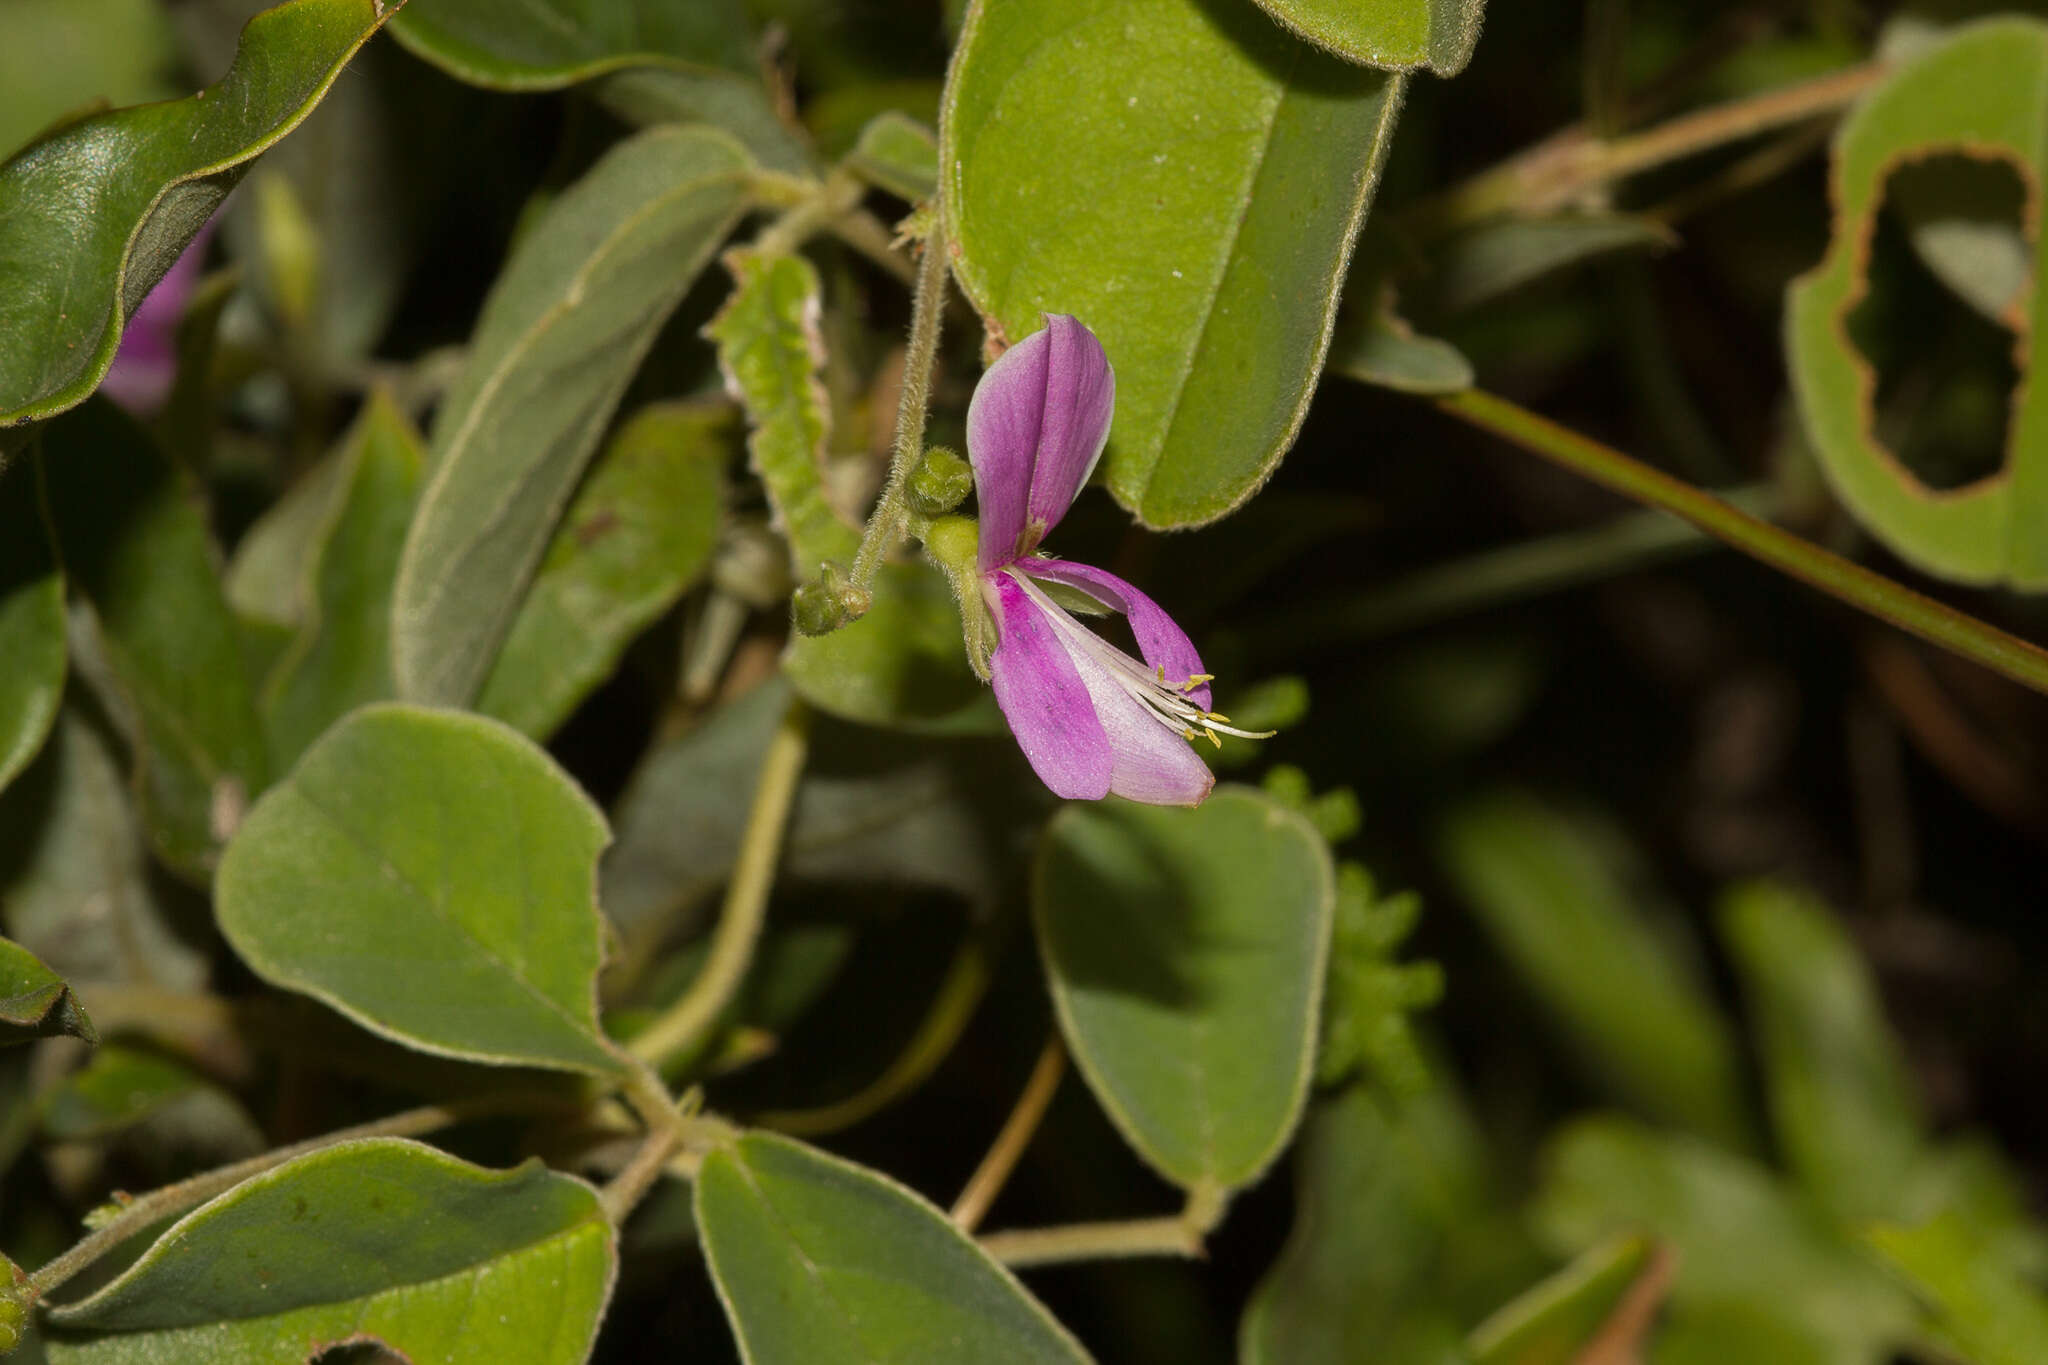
x: 1384, y: 350
x: 383, y: 1241
x: 1976, y: 93
x: 1186, y: 951
x: 62, y: 55
x: 898, y: 154
x: 31, y: 621
x: 1187, y: 179
x: 136, y: 546
x: 432, y: 876
x: 561, y: 335
x: 118, y: 1087
x: 35, y: 1002
x: 822, y: 1262
x: 98, y: 211
x: 340, y: 657
x: 1993, y: 1315
x: 1558, y: 895
x: 639, y: 533
x: 1500, y: 256
x: 1553, y: 1322
x: 1393, y: 34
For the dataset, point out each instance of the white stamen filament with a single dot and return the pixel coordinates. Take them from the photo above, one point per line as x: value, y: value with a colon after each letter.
x: 1166, y: 702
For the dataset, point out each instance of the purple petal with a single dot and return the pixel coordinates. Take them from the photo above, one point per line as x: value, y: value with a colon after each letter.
x: 1162, y: 643
x: 1049, y: 708
x: 1035, y: 430
x: 147, y: 361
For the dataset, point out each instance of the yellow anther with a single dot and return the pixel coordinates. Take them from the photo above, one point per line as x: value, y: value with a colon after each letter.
x: 1212, y: 738
x: 1216, y: 717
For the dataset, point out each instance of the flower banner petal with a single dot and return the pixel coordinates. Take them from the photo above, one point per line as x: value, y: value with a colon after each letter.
x: 1035, y: 429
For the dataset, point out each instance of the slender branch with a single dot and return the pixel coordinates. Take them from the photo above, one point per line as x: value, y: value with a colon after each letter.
x: 1562, y: 169
x: 958, y: 996
x: 928, y: 306
x: 1852, y: 583
x: 175, y: 1199
x: 684, y: 1023
x: 814, y: 213
x: 623, y: 1193
x: 994, y: 1172
x: 1094, y: 1242
x: 871, y: 237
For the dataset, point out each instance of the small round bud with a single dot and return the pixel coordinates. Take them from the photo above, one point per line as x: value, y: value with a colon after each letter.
x: 941, y: 481
x: 826, y: 603
x: 953, y: 542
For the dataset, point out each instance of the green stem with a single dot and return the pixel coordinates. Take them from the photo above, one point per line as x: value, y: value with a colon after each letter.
x: 1023, y: 1247
x: 814, y: 213
x: 1008, y: 1148
x: 683, y: 1024
x: 175, y: 1199
x: 928, y: 306
x: 1852, y: 583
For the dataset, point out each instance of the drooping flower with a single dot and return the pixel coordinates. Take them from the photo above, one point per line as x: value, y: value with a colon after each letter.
x: 147, y: 362
x: 1091, y: 719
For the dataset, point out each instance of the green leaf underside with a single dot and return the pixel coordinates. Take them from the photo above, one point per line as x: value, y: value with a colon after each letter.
x: 820, y: 1262
x: 1196, y: 209
x: 561, y: 336
x: 1995, y: 1315
x: 1983, y: 93
x: 31, y: 622
x: 98, y: 212
x: 639, y: 532
x: 34, y: 1001
x: 1385, y: 351
x: 1550, y: 891
x: 1496, y: 258
x: 431, y: 875
x: 898, y: 154
x: 1552, y: 1323
x: 375, y: 1240
x: 136, y: 546
x: 1396, y: 35
x: 1186, y: 951
x: 1745, y: 1244
x: 340, y: 657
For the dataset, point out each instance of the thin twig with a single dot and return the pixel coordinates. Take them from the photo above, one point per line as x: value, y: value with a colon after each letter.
x: 1872, y: 592
x: 1094, y: 1242
x: 994, y: 1172
x: 623, y: 1193
x: 683, y: 1024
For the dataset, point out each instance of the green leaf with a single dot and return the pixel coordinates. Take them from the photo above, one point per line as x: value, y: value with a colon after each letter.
x: 1396, y: 35
x: 1972, y: 94
x: 136, y: 546
x: 1962, y: 216
x: 1197, y: 935
x: 1553, y: 1322
x: 1384, y: 350
x: 639, y: 533
x: 820, y: 1261
x: 97, y: 212
x: 340, y: 657
x: 656, y: 61
x: 432, y: 876
x: 1841, y: 1100
x: 75, y: 882
x: 1196, y: 208
x: 898, y: 154
x: 381, y: 1240
x: 1383, y: 1186
x: 118, y: 1087
x: 35, y: 1002
x: 31, y: 621
x: 903, y: 664
x: 1993, y: 1316
x: 1744, y: 1242
x: 1500, y: 256
x: 1367, y: 1014
x: 561, y: 335
x: 1554, y: 892
x: 62, y: 54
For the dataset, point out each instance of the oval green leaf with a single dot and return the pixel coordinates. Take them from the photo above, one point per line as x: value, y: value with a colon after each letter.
x: 1395, y: 35
x: 98, y: 211
x: 1196, y: 208
x: 822, y: 1262
x: 1186, y: 951
x: 640, y: 531
x: 35, y: 1002
x: 380, y: 1240
x: 432, y: 875
x: 898, y: 154
x: 1554, y: 1322
x: 1974, y: 94
x: 136, y: 546
x: 561, y: 336
x: 31, y: 621
x: 1984, y: 1303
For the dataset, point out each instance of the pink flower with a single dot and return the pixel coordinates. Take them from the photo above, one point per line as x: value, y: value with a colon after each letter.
x: 147, y: 362
x: 1091, y: 719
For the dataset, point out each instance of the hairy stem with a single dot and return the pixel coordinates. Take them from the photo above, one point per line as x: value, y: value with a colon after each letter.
x: 1888, y: 601
x: 175, y: 1199
x: 840, y: 194
x: 928, y: 306
x: 1094, y: 1242
x: 994, y: 1172
x: 683, y: 1025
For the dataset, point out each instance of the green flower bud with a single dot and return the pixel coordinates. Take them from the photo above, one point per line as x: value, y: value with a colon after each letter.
x: 953, y: 543
x: 939, y: 483
x: 826, y: 603
x: 13, y: 1306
